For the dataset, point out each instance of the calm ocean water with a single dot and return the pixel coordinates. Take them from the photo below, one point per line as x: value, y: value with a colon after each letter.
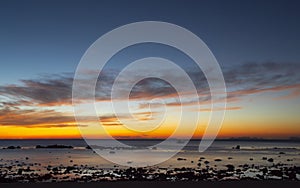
x: 218, y: 155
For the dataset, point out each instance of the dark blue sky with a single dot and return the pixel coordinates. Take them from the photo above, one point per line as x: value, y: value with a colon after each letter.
x: 46, y: 37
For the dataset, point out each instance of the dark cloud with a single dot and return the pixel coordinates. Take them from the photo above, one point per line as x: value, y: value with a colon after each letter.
x: 252, y: 78
x: 261, y: 75
x: 152, y: 88
x: 47, y: 91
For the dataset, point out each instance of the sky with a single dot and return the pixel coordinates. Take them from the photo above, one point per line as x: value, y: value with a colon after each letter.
x: 256, y: 44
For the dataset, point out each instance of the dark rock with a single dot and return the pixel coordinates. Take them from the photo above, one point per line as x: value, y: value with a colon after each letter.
x: 20, y: 171
x: 56, y: 146
x: 13, y: 147
x: 261, y: 177
x: 45, y: 177
x: 187, y: 175
x: 230, y: 167
x: 276, y: 173
x: 264, y: 170
x: 271, y: 160
x: 88, y: 147
x: 68, y: 169
x: 55, y: 169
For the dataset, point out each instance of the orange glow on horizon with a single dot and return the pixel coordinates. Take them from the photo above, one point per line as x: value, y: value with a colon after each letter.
x: 227, y: 131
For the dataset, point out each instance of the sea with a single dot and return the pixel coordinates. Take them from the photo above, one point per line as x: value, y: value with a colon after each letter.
x: 218, y: 155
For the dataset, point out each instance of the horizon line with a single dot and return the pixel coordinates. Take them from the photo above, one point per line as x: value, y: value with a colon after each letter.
x: 161, y: 139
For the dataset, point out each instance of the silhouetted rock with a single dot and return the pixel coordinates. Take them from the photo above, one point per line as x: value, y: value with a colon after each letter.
x: 230, y: 167
x: 13, y: 147
x: 45, y: 177
x: 88, y: 147
x: 276, y: 173
x: 264, y: 170
x: 56, y: 146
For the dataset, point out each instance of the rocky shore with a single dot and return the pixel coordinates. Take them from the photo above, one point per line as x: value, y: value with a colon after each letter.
x: 28, y: 172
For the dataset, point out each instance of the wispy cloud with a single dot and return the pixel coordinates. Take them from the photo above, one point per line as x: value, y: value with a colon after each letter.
x: 56, y: 90
x: 110, y: 120
x: 44, y: 92
x: 35, y: 118
x: 113, y: 120
x: 219, y: 109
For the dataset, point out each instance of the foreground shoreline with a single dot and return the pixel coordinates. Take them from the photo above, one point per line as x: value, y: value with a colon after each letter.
x: 138, y: 184
x: 85, y: 174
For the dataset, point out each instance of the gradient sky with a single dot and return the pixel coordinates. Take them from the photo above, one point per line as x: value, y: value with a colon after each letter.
x: 255, y: 42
